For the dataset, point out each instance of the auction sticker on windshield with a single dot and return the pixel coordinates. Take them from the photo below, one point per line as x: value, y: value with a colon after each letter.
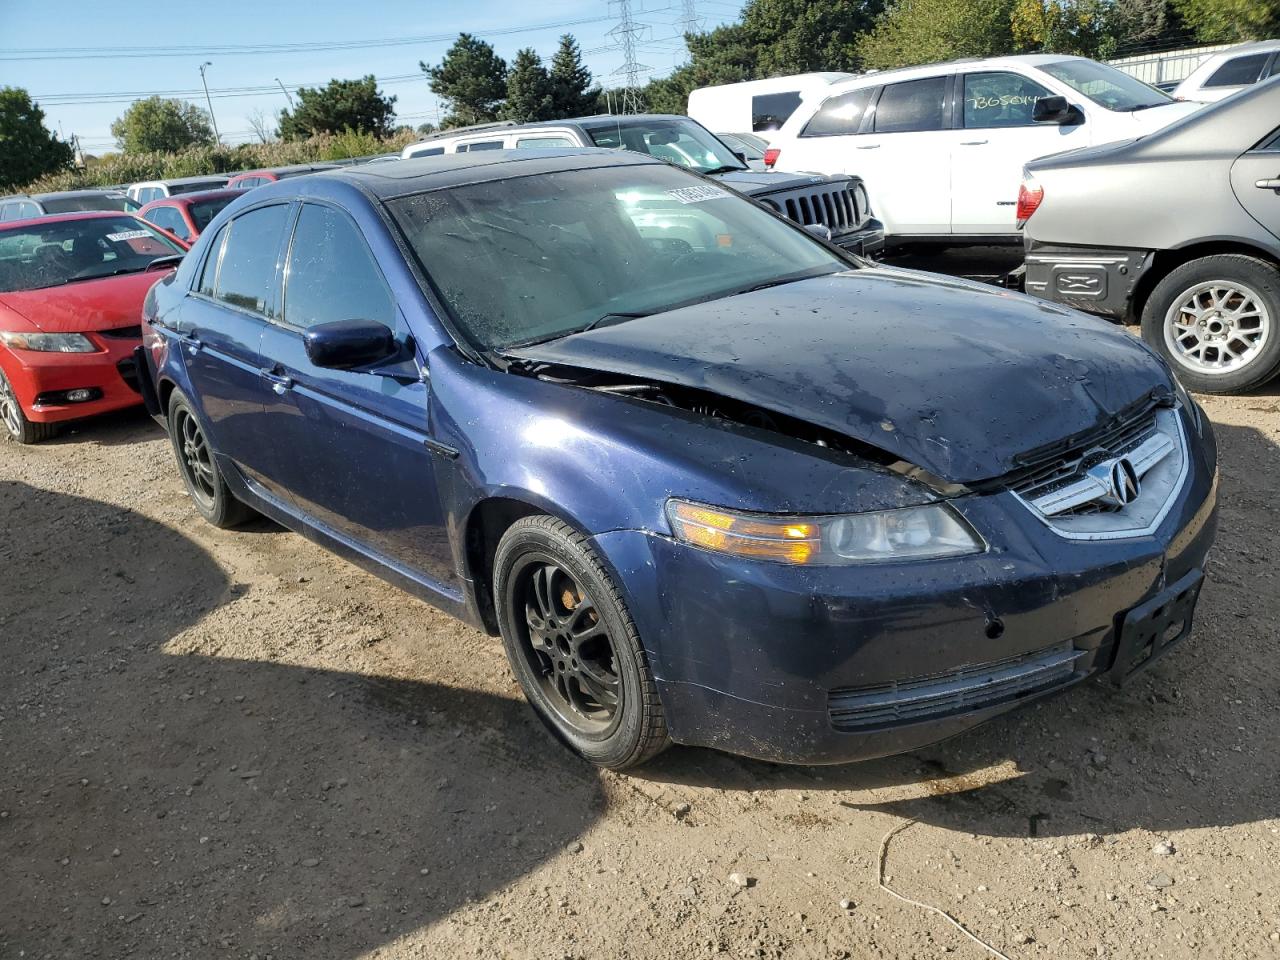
x: 129, y: 235
x: 697, y: 194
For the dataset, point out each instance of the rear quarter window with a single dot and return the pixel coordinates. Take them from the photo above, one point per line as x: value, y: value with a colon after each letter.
x: 839, y: 115
x: 1238, y: 71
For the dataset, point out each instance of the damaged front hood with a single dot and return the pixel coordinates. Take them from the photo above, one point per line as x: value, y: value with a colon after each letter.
x: 946, y: 375
x: 759, y: 184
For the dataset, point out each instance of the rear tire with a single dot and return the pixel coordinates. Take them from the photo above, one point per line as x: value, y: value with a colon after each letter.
x: 573, y: 645
x: 1216, y: 321
x: 199, y: 468
x: 14, y: 418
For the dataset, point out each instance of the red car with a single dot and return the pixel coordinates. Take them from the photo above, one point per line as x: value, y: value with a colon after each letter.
x: 187, y: 214
x: 256, y: 178
x: 71, y: 292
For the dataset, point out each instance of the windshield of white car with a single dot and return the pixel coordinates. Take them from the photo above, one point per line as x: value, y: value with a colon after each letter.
x: 681, y: 142
x: 538, y: 257
x: 50, y: 254
x: 1106, y: 86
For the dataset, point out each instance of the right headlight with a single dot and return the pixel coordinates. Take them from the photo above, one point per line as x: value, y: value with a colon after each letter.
x: 909, y: 533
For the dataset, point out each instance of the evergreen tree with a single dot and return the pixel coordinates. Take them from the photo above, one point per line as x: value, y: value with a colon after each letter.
x: 472, y: 79
x: 28, y: 150
x: 528, y: 89
x: 338, y: 106
x: 572, y: 94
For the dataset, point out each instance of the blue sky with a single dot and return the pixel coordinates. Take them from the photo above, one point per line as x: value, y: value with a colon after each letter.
x: 63, y: 79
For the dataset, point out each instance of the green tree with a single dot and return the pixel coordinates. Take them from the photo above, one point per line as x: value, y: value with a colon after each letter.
x: 472, y: 79
x: 163, y: 125
x: 340, y: 105
x: 925, y: 31
x: 425, y: 128
x: 528, y: 89
x: 28, y: 150
x: 572, y: 94
x: 799, y: 36
x: 1231, y: 21
x: 1081, y: 27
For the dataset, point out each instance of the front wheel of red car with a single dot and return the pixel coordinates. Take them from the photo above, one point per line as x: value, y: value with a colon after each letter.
x: 573, y: 646
x: 205, y: 483
x: 16, y: 424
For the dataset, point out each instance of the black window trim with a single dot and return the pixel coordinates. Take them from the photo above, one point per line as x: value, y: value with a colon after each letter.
x: 273, y: 290
x: 287, y: 261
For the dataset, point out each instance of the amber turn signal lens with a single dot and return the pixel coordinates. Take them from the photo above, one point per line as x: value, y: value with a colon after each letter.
x: 786, y: 540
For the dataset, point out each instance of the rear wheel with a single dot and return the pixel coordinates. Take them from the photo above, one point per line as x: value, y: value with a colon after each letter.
x: 16, y: 424
x: 573, y: 646
x: 199, y: 469
x: 1217, y: 321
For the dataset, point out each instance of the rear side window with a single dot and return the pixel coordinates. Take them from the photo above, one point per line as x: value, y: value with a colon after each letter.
x: 249, y: 261
x: 480, y: 145
x: 1238, y: 71
x: 428, y: 152
x: 1000, y: 100
x: 839, y: 115
x: 332, y: 274
x: 769, y: 111
x: 911, y: 106
x: 543, y: 143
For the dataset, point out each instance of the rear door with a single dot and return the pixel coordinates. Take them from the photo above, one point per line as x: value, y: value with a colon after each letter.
x: 1255, y: 177
x: 904, y: 155
x: 994, y: 137
x: 220, y: 328
x: 353, y: 442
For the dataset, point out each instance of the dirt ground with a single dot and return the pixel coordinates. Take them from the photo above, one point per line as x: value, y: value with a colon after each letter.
x: 234, y: 744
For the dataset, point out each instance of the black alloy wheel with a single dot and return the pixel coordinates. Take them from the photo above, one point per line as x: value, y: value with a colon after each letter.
x: 199, y: 468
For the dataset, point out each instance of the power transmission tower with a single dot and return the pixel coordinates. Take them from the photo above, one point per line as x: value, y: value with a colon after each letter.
x: 627, y: 34
x: 689, y: 21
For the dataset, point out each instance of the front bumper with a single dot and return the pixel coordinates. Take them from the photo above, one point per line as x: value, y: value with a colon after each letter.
x: 40, y: 380
x: 1098, y: 280
x: 866, y: 241
x: 759, y: 659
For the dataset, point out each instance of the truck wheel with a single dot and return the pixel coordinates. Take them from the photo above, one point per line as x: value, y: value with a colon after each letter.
x: 573, y: 646
x: 1217, y: 321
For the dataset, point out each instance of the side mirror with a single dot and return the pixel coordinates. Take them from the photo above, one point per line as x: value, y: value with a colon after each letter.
x: 347, y: 344
x: 819, y: 230
x: 1055, y: 110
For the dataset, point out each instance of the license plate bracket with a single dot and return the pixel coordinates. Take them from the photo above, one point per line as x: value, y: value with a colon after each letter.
x: 1152, y: 629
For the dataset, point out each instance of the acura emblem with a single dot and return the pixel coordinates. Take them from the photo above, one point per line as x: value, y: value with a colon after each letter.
x: 1124, y: 482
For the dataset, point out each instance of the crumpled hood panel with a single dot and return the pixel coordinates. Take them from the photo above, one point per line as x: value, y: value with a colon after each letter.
x: 760, y: 183
x: 87, y: 305
x: 951, y: 376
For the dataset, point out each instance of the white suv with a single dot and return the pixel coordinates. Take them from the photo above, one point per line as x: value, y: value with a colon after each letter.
x: 941, y: 147
x: 1221, y: 74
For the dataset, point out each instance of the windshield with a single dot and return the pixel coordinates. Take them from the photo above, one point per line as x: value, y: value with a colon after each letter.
x: 90, y: 201
x: 51, y: 254
x: 203, y: 211
x: 535, y: 258
x: 1106, y: 86
x: 681, y: 142
x: 213, y: 183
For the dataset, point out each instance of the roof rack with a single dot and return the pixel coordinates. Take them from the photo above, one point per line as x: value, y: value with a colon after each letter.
x: 473, y: 128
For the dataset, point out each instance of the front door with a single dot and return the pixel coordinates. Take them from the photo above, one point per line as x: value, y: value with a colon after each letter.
x: 219, y: 331
x: 1255, y: 177
x: 352, y: 442
x: 996, y: 138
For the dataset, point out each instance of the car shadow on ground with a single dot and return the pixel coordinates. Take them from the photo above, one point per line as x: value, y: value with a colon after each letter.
x: 157, y: 801
x: 108, y: 429
x: 1176, y: 748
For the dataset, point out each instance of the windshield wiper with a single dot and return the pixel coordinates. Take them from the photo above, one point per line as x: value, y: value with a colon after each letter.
x: 601, y: 321
x: 724, y: 169
x: 1148, y: 106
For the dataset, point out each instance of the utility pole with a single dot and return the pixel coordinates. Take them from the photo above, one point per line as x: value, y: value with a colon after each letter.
x: 287, y: 95
x: 209, y: 100
x: 627, y: 33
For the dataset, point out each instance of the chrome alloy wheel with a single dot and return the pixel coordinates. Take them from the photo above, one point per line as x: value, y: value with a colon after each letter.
x: 1217, y: 327
x: 10, y: 412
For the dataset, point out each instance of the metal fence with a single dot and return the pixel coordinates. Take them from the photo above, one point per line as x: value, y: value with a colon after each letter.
x: 1168, y: 66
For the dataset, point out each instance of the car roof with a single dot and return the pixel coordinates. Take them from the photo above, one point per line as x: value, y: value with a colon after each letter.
x: 875, y: 77
x: 420, y: 174
x: 195, y: 196
x: 61, y: 217
x: 179, y: 181
x: 501, y: 128
x: 67, y: 194
x: 291, y: 168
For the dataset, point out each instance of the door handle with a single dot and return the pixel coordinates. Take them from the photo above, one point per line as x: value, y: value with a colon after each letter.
x: 1268, y: 184
x: 280, y: 384
x: 192, y: 344
x: 972, y: 143
x: 868, y: 146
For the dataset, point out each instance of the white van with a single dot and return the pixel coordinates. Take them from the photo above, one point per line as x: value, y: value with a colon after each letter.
x: 941, y: 147
x: 756, y: 106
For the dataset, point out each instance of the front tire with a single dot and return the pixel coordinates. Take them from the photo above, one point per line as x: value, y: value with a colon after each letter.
x: 1217, y: 321
x: 199, y: 468
x: 573, y: 646
x: 15, y: 421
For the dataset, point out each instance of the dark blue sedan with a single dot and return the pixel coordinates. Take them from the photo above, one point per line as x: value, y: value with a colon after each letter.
x: 712, y: 480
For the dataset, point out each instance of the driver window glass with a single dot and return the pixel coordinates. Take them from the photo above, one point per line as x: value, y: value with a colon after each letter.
x: 1000, y: 100
x: 332, y: 274
x: 249, y: 261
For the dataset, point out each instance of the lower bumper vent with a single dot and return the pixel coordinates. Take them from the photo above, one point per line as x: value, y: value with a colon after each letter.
x: 972, y: 688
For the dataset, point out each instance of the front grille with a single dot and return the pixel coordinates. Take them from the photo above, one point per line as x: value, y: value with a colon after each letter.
x: 1058, y: 469
x: 128, y: 369
x: 832, y: 205
x: 962, y: 691
x: 122, y: 333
